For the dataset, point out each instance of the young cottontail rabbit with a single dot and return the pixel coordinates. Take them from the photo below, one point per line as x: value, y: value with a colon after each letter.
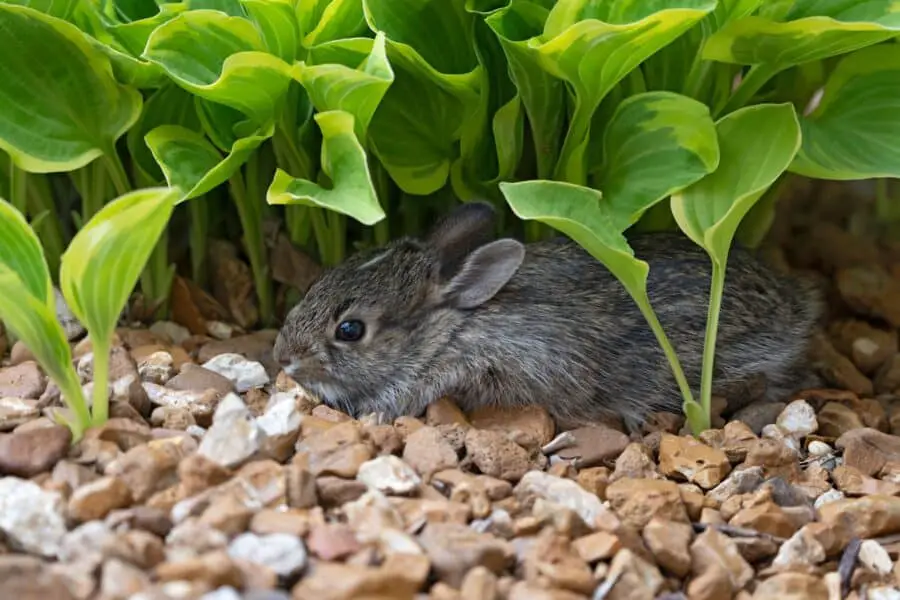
x: 496, y: 322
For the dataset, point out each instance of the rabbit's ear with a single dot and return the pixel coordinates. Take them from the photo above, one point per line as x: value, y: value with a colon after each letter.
x: 485, y: 271
x: 459, y: 233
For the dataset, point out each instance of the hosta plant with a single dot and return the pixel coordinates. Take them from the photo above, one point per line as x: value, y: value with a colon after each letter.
x: 99, y: 271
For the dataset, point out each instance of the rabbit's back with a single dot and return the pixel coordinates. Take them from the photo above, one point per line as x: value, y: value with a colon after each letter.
x: 574, y: 341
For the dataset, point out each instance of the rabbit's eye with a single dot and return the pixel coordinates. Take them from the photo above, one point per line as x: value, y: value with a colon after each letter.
x: 350, y: 331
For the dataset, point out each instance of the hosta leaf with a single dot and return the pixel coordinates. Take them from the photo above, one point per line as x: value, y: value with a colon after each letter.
x: 811, y: 30
x: 542, y: 95
x: 169, y: 105
x: 491, y: 143
x: 756, y: 145
x: 853, y: 132
x: 27, y: 305
x: 192, y: 164
x: 440, y: 31
x: 97, y: 276
x: 60, y: 106
x: 278, y: 24
x: 233, y: 68
x: 21, y: 253
x: 583, y: 215
x: 593, y: 46
x: 327, y: 20
x: 655, y: 144
x: 133, y: 35
x: 416, y: 130
x: 357, y: 86
x: 61, y: 9
x: 344, y: 162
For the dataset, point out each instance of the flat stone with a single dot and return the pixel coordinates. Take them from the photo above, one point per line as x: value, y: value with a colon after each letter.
x: 243, y: 373
x: 695, y: 461
x: 633, y: 577
x: 16, y: 411
x: 637, y: 501
x: 98, y: 498
x: 455, y: 549
x: 533, y: 421
x: 27, y: 453
x: 149, y: 468
x: 670, y: 541
x: 29, y: 578
x: 871, y: 291
x: 200, y: 404
x: 194, y: 378
x: 427, y: 451
x: 791, y: 585
x: 714, y: 551
x: 869, y: 450
x: 332, y: 541
x: 835, y: 419
x: 24, y: 380
x: 867, y: 517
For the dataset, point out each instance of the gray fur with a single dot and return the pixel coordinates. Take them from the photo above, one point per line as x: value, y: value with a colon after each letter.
x: 561, y: 333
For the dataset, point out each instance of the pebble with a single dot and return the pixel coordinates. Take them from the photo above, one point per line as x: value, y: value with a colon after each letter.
x: 31, y: 517
x: 632, y: 577
x: 455, y: 549
x: 235, y: 437
x: 873, y: 556
x: 868, y: 517
x: 281, y: 552
x: 16, y: 411
x: 389, y: 475
x: 802, y: 549
x: 716, y: 553
x: 695, y: 461
x: 200, y: 404
x: 72, y: 327
x: 29, y: 578
x: 333, y: 541
x: 670, y: 542
x: 195, y: 378
x: 533, y: 421
x: 24, y: 381
x: 565, y: 493
x: 27, y: 453
x: 158, y: 367
x: 798, y: 419
x: 243, y: 373
x: 871, y: 291
x: 170, y: 332
x: 98, y: 498
x: 790, y: 586
x: 637, y: 501
x: 496, y: 455
x: 869, y: 450
x: 427, y: 451
x: 280, y: 423
x: 149, y: 468
x: 819, y: 449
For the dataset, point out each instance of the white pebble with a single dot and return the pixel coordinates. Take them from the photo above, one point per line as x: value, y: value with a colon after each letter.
x: 831, y: 495
x: 31, y: 516
x: 281, y: 552
x: 244, y: 374
x: 875, y: 557
x: 389, y: 474
x: 817, y: 449
x: 798, y: 419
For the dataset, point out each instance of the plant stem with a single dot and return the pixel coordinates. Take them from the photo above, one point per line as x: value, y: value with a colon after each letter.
x: 49, y: 231
x: 533, y: 231
x: 323, y: 236
x: 752, y: 82
x: 117, y: 172
x: 716, y: 291
x: 100, y: 408
x: 74, y: 398
x: 18, y: 188
x: 198, y: 209
x: 251, y: 222
x: 337, y: 225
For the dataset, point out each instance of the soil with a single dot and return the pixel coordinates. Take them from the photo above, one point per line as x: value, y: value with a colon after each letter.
x: 217, y: 477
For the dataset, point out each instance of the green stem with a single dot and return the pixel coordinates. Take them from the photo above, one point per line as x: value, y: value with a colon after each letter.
x: 198, y: 209
x: 18, y: 188
x: 671, y: 355
x: 156, y: 280
x: 716, y: 291
x: 251, y: 222
x: 752, y: 82
x: 117, y: 172
x: 299, y: 225
x: 40, y: 199
x: 337, y: 225
x: 74, y: 397
x: 100, y: 409
x: 534, y: 231
x: 322, y: 233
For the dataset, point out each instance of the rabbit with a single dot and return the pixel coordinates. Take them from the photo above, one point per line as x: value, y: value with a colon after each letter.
x: 495, y: 322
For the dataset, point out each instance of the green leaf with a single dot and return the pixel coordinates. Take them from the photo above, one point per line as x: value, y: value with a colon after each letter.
x: 593, y: 46
x: 812, y: 30
x: 21, y: 253
x: 27, y: 307
x: 756, y: 145
x: 278, y: 24
x: 655, y: 144
x: 356, y: 86
x: 853, y: 132
x: 582, y: 214
x: 440, y: 31
x: 133, y: 35
x: 491, y: 142
x: 61, y: 9
x: 169, y: 105
x: 234, y: 69
x: 329, y: 20
x: 97, y: 276
x: 192, y: 164
x: 60, y: 106
x: 416, y: 130
x: 542, y: 94
x: 344, y: 162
